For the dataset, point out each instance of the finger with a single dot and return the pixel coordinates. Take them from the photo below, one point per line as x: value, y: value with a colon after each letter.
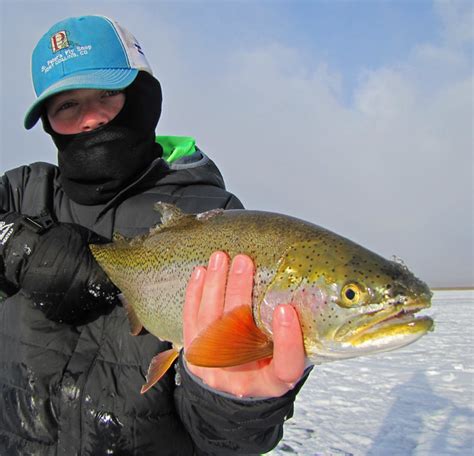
x: 239, y: 283
x: 288, y: 350
x: 191, y: 304
x: 213, y: 295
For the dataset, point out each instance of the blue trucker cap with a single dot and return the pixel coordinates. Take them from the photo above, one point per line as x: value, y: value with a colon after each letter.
x: 88, y: 52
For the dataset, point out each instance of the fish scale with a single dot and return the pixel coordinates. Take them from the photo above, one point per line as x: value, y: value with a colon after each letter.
x: 331, y: 281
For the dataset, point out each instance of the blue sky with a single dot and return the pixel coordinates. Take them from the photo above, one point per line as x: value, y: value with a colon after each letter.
x: 348, y: 35
x: 355, y: 115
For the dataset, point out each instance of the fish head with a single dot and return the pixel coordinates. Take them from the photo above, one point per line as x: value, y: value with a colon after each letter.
x: 350, y: 301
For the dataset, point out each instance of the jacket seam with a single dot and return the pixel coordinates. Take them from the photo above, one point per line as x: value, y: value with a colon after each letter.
x: 19, y: 437
x: 29, y: 344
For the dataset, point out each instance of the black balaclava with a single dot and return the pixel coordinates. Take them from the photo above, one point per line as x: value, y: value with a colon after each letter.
x: 95, y: 166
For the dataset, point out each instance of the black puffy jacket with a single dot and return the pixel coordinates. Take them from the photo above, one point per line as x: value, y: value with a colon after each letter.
x: 75, y: 390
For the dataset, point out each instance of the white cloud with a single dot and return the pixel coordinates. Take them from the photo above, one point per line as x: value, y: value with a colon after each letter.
x: 385, y: 94
x: 457, y: 17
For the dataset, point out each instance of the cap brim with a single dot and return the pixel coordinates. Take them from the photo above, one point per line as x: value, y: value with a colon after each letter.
x: 107, y: 79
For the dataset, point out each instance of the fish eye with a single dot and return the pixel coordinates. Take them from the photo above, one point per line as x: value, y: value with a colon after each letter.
x: 351, y: 294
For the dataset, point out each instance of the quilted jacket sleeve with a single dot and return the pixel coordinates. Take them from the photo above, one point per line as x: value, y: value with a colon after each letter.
x: 221, y: 424
x: 5, y: 191
x: 6, y: 289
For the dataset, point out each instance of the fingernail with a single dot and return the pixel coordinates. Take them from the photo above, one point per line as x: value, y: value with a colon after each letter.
x: 216, y: 261
x: 197, y: 274
x: 240, y: 264
x: 285, y: 316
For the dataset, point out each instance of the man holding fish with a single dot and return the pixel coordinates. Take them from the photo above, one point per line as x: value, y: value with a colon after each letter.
x: 70, y: 371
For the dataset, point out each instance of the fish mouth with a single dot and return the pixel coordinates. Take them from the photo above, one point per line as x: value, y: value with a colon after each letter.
x: 398, y: 321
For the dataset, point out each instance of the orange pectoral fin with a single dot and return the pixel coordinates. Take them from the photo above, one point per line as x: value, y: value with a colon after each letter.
x: 158, y: 367
x: 231, y: 340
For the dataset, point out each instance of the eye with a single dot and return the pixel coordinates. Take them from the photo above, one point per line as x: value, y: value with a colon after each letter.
x: 64, y: 106
x: 112, y: 93
x: 351, y: 294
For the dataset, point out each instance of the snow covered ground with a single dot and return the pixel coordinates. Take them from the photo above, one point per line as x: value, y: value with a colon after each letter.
x: 418, y: 400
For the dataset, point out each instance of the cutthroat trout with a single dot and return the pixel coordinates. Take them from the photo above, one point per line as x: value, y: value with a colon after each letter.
x: 349, y: 300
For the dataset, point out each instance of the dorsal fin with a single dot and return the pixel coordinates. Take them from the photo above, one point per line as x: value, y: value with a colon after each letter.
x: 117, y: 237
x: 169, y: 212
x: 203, y: 216
x: 171, y: 215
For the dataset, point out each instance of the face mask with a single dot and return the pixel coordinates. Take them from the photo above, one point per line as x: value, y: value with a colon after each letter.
x: 95, y: 166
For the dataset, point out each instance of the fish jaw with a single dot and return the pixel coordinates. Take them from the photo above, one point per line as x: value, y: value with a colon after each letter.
x: 396, y: 332
x: 382, y: 327
x: 392, y: 322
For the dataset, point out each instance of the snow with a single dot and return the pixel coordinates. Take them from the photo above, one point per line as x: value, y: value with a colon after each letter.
x: 418, y: 400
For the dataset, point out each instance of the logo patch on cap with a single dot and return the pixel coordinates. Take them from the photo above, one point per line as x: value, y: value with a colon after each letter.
x: 59, y: 41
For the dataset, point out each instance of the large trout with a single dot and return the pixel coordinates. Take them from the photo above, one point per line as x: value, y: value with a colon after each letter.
x: 349, y: 300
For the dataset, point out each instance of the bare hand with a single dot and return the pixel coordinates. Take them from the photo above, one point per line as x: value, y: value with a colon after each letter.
x: 216, y: 290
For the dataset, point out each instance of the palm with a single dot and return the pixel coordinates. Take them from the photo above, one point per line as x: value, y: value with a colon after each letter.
x: 212, y: 292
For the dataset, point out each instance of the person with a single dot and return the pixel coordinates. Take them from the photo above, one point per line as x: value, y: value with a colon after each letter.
x: 70, y: 371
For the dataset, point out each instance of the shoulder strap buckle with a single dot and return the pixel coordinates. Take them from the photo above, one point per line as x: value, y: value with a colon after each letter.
x: 38, y: 224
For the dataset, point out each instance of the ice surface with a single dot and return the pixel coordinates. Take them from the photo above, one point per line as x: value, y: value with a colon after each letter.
x: 418, y: 400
